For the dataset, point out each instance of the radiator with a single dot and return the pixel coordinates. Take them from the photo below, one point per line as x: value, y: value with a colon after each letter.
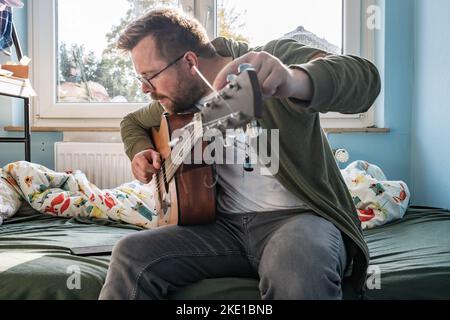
x: 105, y: 164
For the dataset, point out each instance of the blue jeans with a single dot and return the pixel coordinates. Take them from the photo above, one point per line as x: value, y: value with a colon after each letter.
x: 295, y: 256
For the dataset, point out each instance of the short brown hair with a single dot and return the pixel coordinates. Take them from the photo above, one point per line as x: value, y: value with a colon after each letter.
x: 174, y: 33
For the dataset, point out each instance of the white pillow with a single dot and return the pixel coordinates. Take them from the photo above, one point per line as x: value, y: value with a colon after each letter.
x: 378, y: 200
x: 10, y: 200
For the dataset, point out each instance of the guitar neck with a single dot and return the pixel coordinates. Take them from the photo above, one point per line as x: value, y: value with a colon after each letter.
x: 237, y: 104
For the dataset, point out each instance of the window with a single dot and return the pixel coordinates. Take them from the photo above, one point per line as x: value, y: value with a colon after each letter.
x: 79, y: 74
x: 303, y: 20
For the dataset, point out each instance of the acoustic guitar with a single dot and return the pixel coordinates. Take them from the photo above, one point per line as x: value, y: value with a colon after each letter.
x: 185, y: 192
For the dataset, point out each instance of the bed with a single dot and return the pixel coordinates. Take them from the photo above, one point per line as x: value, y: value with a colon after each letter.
x: 42, y: 257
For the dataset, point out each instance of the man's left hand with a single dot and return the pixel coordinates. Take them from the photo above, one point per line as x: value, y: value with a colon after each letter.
x: 275, y: 78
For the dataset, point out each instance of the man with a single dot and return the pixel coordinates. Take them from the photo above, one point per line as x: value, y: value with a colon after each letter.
x: 297, y: 231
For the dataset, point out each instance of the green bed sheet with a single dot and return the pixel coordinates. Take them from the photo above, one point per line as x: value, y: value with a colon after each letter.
x: 36, y: 261
x: 411, y: 257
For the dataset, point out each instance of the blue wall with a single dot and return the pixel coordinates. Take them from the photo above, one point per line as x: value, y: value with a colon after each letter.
x: 430, y: 171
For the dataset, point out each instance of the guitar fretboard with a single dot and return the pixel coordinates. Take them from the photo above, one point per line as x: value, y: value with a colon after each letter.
x: 193, y: 132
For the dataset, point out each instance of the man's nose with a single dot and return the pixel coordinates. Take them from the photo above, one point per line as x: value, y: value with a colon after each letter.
x: 146, y: 88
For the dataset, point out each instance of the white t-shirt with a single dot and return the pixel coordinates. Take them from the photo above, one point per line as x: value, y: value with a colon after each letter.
x: 242, y: 191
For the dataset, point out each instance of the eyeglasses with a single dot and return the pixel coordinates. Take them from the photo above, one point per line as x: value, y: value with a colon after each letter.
x: 147, y: 80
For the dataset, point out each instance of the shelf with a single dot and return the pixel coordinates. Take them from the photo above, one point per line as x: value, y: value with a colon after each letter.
x: 19, y: 88
x: 15, y: 87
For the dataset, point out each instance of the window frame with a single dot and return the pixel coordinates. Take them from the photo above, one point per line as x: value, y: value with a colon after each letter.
x: 43, y: 50
x: 359, y: 41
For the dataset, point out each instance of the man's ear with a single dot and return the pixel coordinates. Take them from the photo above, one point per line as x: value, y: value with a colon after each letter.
x: 192, y: 60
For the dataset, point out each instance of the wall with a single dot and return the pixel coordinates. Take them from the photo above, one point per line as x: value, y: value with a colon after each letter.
x: 430, y: 170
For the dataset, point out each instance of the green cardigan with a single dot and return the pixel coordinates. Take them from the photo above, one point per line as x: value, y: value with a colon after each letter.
x: 341, y: 83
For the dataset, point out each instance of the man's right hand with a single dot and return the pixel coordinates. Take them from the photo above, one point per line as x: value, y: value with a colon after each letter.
x: 145, y: 164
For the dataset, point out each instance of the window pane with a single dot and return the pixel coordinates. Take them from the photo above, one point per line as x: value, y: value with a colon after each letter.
x: 317, y: 23
x: 90, y: 68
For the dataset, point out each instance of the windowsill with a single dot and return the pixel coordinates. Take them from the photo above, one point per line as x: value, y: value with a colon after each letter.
x: 113, y: 129
x: 62, y: 129
x: 357, y: 130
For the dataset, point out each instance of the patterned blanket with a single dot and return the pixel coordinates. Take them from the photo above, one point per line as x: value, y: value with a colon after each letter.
x: 63, y: 194
x: 71, y: 194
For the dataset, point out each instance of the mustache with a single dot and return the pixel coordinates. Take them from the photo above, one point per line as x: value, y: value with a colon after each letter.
x: 157, y: 97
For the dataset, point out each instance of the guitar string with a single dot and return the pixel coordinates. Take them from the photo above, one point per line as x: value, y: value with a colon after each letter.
x: 173, y: 168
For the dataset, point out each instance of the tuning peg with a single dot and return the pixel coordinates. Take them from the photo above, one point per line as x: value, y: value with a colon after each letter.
x: 221, y: 125
x: 229, y: 140
x: 253, y: 129
x: 248, y: 166
x: 231, y: 78
x: 224, y: 96
x: 244, y: 67
x: 232, y: 81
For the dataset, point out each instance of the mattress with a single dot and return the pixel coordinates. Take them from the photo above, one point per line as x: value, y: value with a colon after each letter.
x: 409, y: 259
x: 38, y: 260
x: 413, y: 255
x: 43, y: 257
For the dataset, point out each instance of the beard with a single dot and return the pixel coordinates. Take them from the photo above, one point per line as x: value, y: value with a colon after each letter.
x: 189, y: 92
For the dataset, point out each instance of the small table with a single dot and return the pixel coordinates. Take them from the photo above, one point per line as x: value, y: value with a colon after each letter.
x: 17, y: 88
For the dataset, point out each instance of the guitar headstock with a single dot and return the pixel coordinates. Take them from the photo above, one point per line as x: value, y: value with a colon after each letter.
x: 238, y: 103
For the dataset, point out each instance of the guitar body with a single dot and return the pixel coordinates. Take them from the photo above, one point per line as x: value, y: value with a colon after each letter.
x: 190, y: 197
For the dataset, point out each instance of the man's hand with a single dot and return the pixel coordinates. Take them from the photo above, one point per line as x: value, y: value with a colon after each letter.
x: 275, y: 78
x: 145, y: 164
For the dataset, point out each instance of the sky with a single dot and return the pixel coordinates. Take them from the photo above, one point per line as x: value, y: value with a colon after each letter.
x: 87, y: 21
x: 266, y: 20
